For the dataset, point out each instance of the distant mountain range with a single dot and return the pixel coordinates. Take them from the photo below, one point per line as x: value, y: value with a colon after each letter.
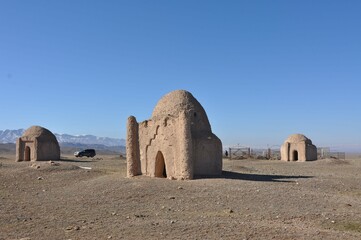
x: 10, y: 136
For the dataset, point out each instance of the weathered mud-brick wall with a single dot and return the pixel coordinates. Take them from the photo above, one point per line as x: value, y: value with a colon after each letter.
x: 177, y: 142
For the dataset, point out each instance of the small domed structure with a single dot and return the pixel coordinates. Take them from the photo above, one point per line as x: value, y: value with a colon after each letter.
x: 298, y: 147
x: 177, y: 142
x: 37, y: 143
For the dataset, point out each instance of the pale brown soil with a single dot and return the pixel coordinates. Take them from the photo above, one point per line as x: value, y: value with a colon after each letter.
x: 255, y: 199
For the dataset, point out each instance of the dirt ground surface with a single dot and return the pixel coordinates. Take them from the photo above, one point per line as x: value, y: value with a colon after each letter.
x: 254, y: 199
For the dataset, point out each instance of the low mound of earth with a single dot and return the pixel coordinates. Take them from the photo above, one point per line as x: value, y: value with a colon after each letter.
x: 254, y: 199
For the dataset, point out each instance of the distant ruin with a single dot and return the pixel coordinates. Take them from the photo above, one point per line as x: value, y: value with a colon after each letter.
x: 298, y: 147
x: 36, y: 144
x: 177, y: 142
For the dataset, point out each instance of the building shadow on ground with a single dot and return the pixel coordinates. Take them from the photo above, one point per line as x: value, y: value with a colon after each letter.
x: 257, y: 177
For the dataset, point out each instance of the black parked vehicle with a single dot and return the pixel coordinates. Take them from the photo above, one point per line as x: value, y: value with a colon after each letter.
x: 85, y: 153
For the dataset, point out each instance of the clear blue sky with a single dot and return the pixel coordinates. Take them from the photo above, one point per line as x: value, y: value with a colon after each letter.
x: 261, y: 69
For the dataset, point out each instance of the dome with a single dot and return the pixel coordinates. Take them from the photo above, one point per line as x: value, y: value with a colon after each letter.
x: 173, y: 103
x: 40, y: 133
x: 295, y: 138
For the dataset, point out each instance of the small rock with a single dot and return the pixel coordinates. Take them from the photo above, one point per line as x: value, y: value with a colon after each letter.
x: 35, y: 166
x: 114, y: 213
x: 172, y: 221
x: 68, y: 228
x: 180, y: 187
x: 229, y: 211
x: 172, y: 197
x: 54, y: 163
x: 40, y: 178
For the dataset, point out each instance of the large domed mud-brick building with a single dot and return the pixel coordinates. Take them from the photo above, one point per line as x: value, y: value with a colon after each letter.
x: 36, y: 144
x: 177, y: 142
x: 298, y: 147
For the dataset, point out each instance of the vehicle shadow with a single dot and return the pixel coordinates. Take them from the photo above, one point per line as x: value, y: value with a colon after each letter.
x: 72, y: 160
x: 256, y: 177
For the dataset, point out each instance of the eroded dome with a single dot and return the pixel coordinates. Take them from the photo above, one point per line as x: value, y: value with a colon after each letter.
x: 295, y: 138
x: 40, y: 133
x: 175, y: 102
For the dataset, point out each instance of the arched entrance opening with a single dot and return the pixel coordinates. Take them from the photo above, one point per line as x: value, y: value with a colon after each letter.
x: 160, y: 168
x: 27, y: 154
x: 295, y: 156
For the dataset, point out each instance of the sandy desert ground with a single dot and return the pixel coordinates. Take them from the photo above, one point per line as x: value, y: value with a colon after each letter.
x: 254, y: 199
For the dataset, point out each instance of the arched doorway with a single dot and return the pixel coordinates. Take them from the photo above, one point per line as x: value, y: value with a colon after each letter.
x: 27, y: 154
x: 160, y: 168
x: 295, y: 156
